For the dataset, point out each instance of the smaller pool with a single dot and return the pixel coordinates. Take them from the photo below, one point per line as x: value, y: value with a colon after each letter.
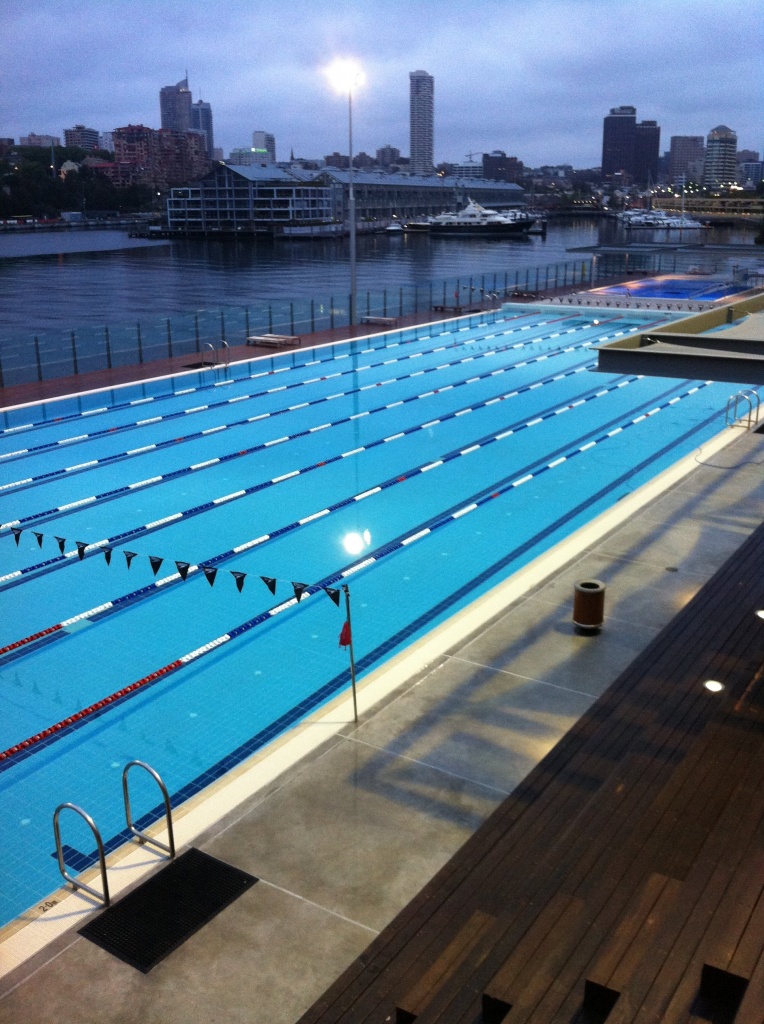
x: 675, y: 286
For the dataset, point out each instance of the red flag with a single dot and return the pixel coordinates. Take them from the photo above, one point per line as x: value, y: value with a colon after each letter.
x: 345, y: 635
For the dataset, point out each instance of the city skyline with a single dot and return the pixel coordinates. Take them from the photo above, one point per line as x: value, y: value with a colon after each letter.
x: 504, y: 80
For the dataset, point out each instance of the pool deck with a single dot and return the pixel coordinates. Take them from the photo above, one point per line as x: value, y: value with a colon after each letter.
x: 345, y: 836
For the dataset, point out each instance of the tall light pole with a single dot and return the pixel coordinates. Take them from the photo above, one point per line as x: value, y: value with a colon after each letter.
x: 346, y: 75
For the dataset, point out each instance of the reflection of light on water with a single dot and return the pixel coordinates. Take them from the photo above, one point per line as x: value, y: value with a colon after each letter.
x: 354, y: 543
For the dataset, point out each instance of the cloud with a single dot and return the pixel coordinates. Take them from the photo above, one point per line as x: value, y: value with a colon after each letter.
x: 533, y: 78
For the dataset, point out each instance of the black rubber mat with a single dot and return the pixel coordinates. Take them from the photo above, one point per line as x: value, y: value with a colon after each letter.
x: 157, y: 917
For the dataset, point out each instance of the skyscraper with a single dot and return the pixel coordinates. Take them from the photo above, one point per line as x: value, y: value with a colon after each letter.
x: 686, y: 158
x: 618, y: 130
x: 422, y: 93
x: 628, y: 148
x: 721, y: 164
x: 175, y: 106
x: 647, y: 144
x: 201, y: 121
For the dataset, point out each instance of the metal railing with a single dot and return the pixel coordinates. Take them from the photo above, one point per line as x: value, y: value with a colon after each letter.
x: 749, y: 418
x: 142, y: 837
x: 102, y: 896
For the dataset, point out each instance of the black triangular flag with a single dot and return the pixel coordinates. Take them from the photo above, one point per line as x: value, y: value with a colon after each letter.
x: 299, y: 590
x: 334, y: 594
x: 210, y: 573
x: 239, y: 577
x: 61, y: 544
x: 107, y: 555
x: 183, y: 568
x: 129, y: 556
x: 155, y: 563
x: 270, y: 583
x: 16, y: 531
x: 81, y: 545
x: 39, y: 537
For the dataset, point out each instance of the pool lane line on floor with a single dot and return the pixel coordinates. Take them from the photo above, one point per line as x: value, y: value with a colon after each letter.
x: 121, y: 602
x: 196, y: 435
x: 83, y: 550
x: 134, y: 424
x: 19, y: 752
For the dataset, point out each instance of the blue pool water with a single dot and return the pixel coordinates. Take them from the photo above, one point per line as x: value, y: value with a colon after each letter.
x: 422, y: 468
x: 676, y: 286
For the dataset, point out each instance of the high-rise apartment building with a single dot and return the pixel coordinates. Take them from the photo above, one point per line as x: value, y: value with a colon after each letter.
x: 175, y: 106
x: 264, y: 147
x: 686, y: 157
x: 85, y: 138
x: 422, y: 116
x: 721, y: 165
x: 201, y: 121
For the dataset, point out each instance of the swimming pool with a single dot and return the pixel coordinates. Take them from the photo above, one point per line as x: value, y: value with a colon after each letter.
x: 421, y: 468
x: 701, y: 288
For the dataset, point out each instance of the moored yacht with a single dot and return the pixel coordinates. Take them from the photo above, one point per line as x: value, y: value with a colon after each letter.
x: 475, y: 219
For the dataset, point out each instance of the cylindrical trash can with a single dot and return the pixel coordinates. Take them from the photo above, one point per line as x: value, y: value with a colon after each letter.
x: 589, y: 605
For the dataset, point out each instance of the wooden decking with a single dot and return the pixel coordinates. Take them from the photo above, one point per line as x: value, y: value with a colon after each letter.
x: 624, y: 879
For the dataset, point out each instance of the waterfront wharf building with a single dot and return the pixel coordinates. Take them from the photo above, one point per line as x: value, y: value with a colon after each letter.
x: 175, y: 106
x: 422, y: 119
x: 85, y: 138
x: 254, y: 199
x: 249, y: 200
x: 721, y: 158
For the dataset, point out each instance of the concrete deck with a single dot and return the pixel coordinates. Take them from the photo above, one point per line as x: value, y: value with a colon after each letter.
x: 343, y: 839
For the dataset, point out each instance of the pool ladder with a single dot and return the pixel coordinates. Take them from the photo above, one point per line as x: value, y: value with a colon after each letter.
x: 142, y: 837
x: 217, y: 360
x: 749, y: 418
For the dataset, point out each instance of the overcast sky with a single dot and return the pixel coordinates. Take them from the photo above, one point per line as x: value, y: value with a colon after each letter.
x: 531, y: 77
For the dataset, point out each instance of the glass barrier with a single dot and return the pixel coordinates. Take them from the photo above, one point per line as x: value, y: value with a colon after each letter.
x: 201, y: 337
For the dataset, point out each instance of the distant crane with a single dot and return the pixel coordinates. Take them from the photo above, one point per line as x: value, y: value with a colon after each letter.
x: 469, y: 156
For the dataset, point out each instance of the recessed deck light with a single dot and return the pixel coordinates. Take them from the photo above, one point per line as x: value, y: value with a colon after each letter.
x: 760, y: 613
x: 713, y: 685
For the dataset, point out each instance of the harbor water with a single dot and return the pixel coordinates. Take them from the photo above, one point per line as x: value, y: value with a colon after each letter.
x: 65, y: 280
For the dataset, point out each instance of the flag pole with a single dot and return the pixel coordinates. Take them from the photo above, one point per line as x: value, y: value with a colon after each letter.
x: 350, y: 650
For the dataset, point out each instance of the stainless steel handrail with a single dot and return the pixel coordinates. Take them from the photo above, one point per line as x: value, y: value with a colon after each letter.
x: 144, y: 837
x: 748, y: 419
x: 210, y: 346
x: 104, y: 896
x: 226, y: 352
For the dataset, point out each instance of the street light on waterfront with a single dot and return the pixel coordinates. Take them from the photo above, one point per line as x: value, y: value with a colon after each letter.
x: 344, y: 76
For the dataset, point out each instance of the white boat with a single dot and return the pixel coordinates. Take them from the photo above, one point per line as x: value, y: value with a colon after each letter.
x: 475, y: 219
x: 657, y: 219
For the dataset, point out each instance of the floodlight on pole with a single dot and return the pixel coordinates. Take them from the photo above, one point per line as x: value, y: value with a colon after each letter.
x: 345, y: 76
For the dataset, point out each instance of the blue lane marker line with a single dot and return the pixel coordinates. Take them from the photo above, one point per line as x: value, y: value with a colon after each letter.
x: 107, y: 431
x: 170, y: 442
x: 96, y: 547
x: 118, y: 407
x: 27, y: 748
x: 13, y: 651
